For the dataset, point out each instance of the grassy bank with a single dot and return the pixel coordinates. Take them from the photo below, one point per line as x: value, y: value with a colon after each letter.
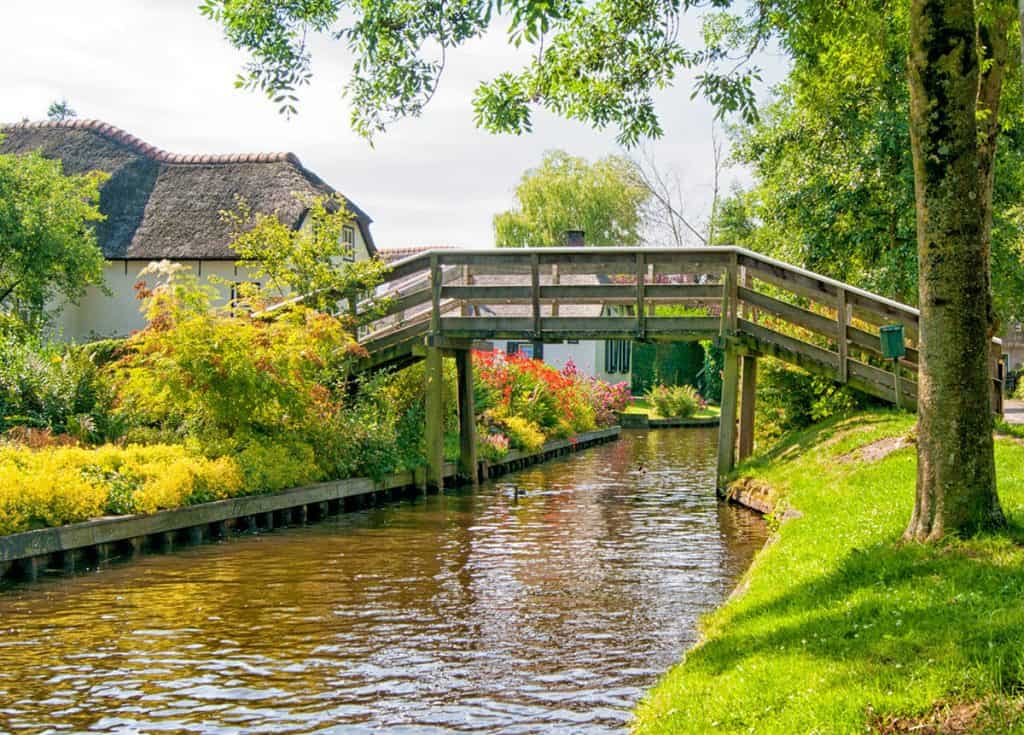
x: 840, y: 628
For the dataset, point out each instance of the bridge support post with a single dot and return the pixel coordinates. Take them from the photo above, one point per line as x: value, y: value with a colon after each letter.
x: 434, y: 423
x: 748, y: 398
x: 727, y: 423
x: 467, y: 417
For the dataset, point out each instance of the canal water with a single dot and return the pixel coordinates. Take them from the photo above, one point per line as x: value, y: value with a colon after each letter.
x: 476, y: 612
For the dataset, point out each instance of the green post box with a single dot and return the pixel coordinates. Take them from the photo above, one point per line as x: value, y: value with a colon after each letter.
x: 892, y: 341
x: 891, y: 336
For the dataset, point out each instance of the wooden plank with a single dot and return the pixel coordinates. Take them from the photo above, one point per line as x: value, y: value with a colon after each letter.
x: 408, y: 267
x: 704, y: 326
x: 510, y: 257
x: 879, y: 313
x: 683, y: 291
x: 603, y: 292
x: 696, y: 258
x: 798, y: 283
x: 793, y: 314
x: 591, y: 257
x: 590, y: 323
x: 488, y: 294
x: 879, y: 382
x: 798, y: 346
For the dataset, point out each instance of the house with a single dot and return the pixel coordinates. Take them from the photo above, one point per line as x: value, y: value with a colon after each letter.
x: 609, y: 360
x: 161, y: 205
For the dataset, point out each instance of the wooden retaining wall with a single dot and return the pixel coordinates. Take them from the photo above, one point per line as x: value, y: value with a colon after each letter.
x: 66, y: 549
x: 643, y: 421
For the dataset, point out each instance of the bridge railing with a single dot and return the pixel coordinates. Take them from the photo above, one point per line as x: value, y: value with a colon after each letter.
x: 759, y: 304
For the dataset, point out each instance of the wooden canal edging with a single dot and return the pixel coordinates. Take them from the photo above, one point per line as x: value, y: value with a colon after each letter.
x: 83, y: 545
x: 440, y: 303
x: 643, y: 421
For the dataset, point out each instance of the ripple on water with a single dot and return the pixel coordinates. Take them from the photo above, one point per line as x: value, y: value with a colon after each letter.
x: 472, y: 612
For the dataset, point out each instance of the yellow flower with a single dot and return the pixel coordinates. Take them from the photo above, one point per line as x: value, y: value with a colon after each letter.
x: 55, y: 359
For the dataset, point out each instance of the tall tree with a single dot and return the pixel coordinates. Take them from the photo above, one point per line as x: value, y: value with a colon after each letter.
x: 605, y: 199
x: 602, y: 62
x: 48, y: 245
x: 950, y: 89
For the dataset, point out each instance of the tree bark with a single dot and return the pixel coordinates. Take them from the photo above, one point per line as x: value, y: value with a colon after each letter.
x: 956, y: 484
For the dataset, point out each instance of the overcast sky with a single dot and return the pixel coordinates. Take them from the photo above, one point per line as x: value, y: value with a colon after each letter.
x: 161, y: 71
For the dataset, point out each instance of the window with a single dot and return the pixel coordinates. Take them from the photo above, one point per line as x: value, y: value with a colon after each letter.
x: 348, y: 238
x: 616, y: 356
x: 521, y: 348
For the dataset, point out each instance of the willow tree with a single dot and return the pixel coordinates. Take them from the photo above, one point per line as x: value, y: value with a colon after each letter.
x: 606, y: 199
x: 602, y: 62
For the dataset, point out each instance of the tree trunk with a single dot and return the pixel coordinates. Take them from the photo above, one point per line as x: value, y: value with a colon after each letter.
x: 956, y: 486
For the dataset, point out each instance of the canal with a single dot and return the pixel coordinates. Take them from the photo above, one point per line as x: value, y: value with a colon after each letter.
x: 545, y: 602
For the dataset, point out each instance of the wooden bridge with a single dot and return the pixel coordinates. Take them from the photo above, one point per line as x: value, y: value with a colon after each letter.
x: 442, y: 303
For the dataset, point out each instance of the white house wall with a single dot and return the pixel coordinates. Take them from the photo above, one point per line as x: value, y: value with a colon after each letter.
x: 99, y: 315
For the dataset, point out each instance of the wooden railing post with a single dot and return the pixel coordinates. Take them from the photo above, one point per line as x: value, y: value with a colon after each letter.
x: 556, y: 279
x: 433, y: 374
x: 436, y: 283
x: 842, y: 335
x: 641, y: 273
x: 535, y: 293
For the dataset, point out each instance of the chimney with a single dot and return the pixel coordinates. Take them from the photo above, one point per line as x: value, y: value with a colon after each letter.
x: 574, y: 239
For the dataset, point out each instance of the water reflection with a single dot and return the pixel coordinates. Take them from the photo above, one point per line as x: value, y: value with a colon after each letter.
x: 476, y: 612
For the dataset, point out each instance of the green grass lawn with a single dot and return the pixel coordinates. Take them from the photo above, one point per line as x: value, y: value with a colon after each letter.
x: 841, y: 628
x: 639, y: 405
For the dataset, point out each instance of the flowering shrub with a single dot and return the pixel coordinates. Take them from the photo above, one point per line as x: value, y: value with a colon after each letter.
x: 558, y: 403
x: 492, y: 447
x: 51, y: 487
x: 524, y: 434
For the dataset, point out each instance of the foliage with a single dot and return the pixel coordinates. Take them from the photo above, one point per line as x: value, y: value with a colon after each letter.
x: 834, y: 179
x: 47, y: 241
x: 524, y: 434
x: 840, y: 628
x: 558, y: 403
x: 309, y: 261
x: 675, y: 401
x: 600, y: 62
x: 674, y: 363
x: 54, y: 486
x: 58, y: 389
x: 710, y: 383
x: 216, y: 377
x: 492, y: 446
x: 789, y: 399
x: 60, y: 110
x: 605, y: 199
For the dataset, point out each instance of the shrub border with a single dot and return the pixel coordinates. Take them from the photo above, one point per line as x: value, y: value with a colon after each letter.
x: 24, y: 556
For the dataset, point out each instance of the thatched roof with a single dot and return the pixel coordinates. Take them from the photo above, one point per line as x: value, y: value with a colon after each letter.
x: 165, y: 205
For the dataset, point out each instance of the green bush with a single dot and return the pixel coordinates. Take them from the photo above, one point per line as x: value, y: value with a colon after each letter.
x: 674, y: 401
x: 790, y: 399
x: 58, y: 389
